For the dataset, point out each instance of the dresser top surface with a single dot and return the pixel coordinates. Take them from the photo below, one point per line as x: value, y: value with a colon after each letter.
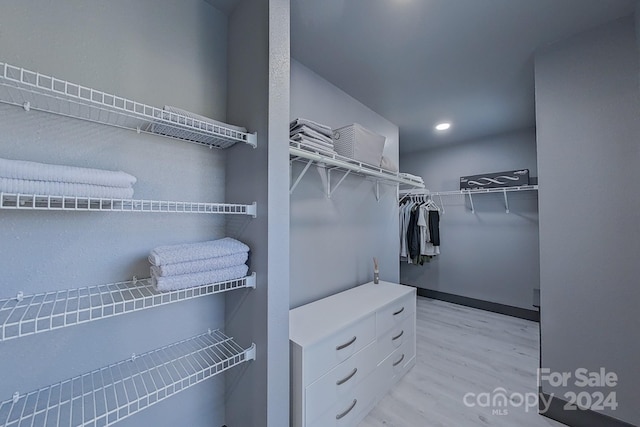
x: 313, y: 322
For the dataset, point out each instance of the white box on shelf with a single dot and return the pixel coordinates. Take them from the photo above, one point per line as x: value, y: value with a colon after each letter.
x: 359, y: 143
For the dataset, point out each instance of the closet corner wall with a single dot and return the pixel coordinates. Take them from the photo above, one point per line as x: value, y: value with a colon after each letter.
x: 259, y: 98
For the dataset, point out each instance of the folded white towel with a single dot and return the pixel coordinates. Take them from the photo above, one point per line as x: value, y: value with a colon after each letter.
x: 33, y: 171
x: 318, y: 127
x: 304, y: 130
x: 311, y: 145
x: 305, y: 138
x: 199, y: 265
x: 195, y: 116
x: 173, y: 254
x: 198, y: 279
x: 49, y: 188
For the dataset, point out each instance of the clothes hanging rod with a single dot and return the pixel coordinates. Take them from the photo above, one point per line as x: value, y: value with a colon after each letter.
x: 421, y: 192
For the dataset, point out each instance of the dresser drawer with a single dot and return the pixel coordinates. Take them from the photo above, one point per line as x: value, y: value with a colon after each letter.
x: 394, y: 313
x: 323, y: 356
x: 340, y: 382
x: 396, y: 337
x: 396, y: 365
x: 350, y: 409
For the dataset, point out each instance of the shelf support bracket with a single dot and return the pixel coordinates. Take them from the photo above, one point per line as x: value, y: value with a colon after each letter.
x: 251, y: 352
x: 377, y: 191
x: 297, y: 181
x: 252, y: 209
x: 252, y: 139
x: 506, y: 200
x: 251, y: 281
x: 473, y: 209
x: 329, y: 190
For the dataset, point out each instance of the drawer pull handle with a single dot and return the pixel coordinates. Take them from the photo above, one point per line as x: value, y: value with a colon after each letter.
x: 343, y: 414
x: 347, y: 378
x: 399, y: 311
x: 398, y: 336
x: 399, y: 360
x: 347, y: 344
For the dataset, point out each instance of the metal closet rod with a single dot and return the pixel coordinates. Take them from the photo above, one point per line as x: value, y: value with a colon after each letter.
x: 470, y: 192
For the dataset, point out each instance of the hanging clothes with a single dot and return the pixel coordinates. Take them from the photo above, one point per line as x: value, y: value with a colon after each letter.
x: 419, y: 230
x: 434, y: 227
x: 413, y: 233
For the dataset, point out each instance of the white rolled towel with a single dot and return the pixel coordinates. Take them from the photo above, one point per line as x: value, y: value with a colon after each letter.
x: 199, y: 265
x: 185, y: 252
x: 49, y: 188
x: 183, y: 281
x: 34, y: 171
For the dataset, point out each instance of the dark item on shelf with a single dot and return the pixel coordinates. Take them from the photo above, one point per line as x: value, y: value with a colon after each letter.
x: 514, y: 178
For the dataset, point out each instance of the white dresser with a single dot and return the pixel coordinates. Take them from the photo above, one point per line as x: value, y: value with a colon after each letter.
x: 348, y: 350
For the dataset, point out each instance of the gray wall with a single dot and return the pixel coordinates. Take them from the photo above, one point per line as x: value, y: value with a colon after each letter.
x: 158, y: 52
x: 588, y: 109
x: 258, y: 394
x: 489, y: 255
x: 333, y: 240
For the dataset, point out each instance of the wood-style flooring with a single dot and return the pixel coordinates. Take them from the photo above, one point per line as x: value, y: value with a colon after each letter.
x: 463, y: 350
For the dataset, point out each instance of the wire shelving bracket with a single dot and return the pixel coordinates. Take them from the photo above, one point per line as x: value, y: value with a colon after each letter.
x: 35, y: 91
x: 115, y: 392
x: 44, y: 312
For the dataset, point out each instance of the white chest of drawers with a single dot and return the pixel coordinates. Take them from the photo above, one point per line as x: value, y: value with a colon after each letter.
x: 348, y: 350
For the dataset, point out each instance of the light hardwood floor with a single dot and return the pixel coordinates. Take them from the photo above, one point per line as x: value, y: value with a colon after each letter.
x: 463, y: 350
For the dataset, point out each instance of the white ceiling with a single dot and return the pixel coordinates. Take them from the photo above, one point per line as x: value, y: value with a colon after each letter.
x: 417, y: 62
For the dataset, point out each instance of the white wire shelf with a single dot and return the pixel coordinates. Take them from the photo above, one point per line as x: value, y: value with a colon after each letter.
x: 73, y: 203
x: 110, y: 394
x: 27, y: 315
x: 34, y: 91
x: 299, y: 151
x: 470, y: 193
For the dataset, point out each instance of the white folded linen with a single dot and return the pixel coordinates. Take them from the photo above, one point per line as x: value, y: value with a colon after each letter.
x: 199, y: 265
x: 171, y: 283
x: 195, y: 116
x: 305, y: 130
x: 33, y: 171
x: 315, y: 147
x: 318, y: 127
x: 305, y: 138
x: 50, y: 188
x: 173, y: 254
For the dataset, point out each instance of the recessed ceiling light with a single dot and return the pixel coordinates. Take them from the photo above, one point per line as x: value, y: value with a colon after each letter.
x: 443, y: 126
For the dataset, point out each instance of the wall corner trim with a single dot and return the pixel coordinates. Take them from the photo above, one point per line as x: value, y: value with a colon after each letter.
x: 494, y: 307
x: 577, y: 418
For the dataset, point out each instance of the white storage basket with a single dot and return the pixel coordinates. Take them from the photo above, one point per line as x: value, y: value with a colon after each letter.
x: 359, y: 143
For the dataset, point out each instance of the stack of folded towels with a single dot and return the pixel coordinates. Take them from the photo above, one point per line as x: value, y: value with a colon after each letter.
x: 196, y: 264
x: 17, y: 176
x: 313, y: 135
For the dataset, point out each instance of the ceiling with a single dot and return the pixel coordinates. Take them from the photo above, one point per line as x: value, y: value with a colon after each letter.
x: 419, y: 62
